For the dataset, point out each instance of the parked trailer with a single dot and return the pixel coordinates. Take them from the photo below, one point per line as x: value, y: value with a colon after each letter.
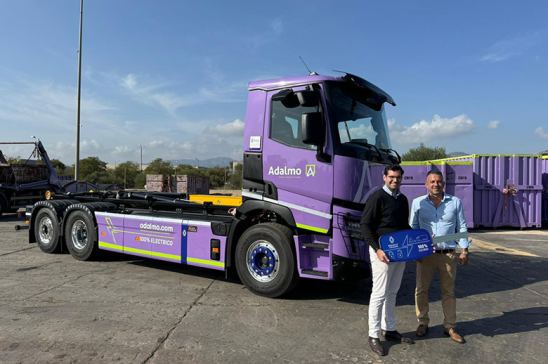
x: 314, y: 147
x: 22, y: 184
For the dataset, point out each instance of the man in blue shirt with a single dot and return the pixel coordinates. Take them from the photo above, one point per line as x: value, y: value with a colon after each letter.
x: 441, y: 214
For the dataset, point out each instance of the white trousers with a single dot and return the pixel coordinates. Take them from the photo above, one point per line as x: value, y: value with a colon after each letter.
x: 382, y: 303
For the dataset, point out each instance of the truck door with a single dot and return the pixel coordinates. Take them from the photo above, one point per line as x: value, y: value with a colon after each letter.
x: 302, y: 182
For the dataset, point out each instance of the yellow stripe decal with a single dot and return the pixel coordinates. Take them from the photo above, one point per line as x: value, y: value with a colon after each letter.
x: 313, y: 228
x: 436, y: 162
x: 103, y: 244
x: 127, y: 249
x: 213, y: 263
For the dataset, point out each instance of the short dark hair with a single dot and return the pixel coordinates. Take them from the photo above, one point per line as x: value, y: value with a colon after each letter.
x: 434, y: 171
x: 393, y: 168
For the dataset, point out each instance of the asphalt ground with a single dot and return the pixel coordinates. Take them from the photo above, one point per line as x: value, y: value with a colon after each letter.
x: 54, y: 309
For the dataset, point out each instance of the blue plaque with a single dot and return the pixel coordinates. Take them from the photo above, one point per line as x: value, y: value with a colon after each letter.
x: 406, y: 245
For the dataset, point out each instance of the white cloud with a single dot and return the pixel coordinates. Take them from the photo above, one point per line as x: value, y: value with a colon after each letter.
x: 155, y: 94
x: 437, y: 128
x: 541, y: 133
x: 493, y: 124
x: 233, y: 128
x: 151, y: 95
x: 43, y: 104
x: 511, y: 47
x: 130, y: 81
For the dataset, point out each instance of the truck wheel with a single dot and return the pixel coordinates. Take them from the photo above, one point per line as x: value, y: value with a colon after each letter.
x: 265, y: 260
x: 46, y: 231
x: 81, y: 235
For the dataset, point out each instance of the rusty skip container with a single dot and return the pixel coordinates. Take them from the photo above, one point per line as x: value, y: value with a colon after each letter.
x: 160, y: 183
x: 192, y: 184
x: 458, y: 176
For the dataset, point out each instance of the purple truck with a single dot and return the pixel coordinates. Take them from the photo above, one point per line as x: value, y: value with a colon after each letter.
x: 314, y: 148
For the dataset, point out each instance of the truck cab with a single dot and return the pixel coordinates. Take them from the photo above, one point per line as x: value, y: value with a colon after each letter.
x: 314, y: 148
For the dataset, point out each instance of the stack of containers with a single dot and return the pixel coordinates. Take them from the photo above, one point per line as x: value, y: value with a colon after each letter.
x: 507, y: 190
x: 160, y: 183
x: 458, y: 176
x: 193, y: 185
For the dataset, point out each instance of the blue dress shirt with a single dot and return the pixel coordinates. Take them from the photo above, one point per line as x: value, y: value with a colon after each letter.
x: 447, y: 218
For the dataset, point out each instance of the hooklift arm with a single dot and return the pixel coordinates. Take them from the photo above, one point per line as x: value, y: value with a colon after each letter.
x: 38, y: 146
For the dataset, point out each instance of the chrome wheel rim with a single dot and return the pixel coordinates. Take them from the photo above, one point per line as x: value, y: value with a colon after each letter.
x: 45, y: 230
x: 79, y: 234
x: 263, y: 261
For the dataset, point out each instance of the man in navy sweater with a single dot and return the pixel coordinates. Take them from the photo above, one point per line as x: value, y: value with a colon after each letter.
x: 386, y: 211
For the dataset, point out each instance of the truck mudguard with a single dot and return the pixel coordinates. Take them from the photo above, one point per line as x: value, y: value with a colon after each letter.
x: 57, y: 206
x: 254, y: 205
x: 89, y: 207
x: 248, y: 207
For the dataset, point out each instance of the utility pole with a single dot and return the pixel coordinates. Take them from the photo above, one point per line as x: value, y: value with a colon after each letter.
x: 141, y: 146
x: 78, y: 87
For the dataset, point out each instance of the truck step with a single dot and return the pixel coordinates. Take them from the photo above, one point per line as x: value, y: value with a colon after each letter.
x: 315, y: 245
x: 314, y: 272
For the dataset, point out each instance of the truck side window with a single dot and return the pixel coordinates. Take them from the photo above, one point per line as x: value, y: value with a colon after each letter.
x: 285, y: 124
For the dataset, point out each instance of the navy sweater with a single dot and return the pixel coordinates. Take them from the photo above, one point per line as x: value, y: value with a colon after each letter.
x: 383, y: 214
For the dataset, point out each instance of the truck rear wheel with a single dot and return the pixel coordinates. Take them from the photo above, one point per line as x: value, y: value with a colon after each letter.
x: 265, y: 260
x: 46, y: 231
x: 81, y: 235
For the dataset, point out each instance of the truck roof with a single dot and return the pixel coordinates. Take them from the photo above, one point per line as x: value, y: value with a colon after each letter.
x: 379, y: 96
x: 289, y: 81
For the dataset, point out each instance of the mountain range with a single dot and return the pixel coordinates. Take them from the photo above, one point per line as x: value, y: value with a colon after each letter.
x: 207, y: 163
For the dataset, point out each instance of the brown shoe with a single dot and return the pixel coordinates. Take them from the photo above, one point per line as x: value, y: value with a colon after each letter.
x: 422, y: 330
x: 454, y: 335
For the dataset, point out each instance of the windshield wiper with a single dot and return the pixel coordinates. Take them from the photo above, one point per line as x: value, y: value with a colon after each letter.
x: 364, y: 143
x: 389, y: 152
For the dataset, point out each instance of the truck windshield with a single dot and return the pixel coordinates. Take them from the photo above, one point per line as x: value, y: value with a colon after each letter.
x: 357, y: 122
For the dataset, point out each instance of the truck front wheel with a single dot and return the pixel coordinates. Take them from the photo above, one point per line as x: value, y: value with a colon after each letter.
x: 265, y: 260
x: 46, y: 231
x: 81, y: 235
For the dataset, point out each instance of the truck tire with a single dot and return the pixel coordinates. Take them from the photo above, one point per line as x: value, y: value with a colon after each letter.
x: 265, y: 261
x: 81, y: 235
x: 47, y: 231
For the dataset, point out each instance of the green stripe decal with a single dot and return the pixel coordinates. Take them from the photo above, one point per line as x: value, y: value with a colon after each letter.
x: 313, y: 228
x: 103, y: 244
x: 437, y: 162
x: 212, y: 263
x: 126, y: 249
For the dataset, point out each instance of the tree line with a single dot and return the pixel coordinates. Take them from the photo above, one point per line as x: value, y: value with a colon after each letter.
x: 129, y: 175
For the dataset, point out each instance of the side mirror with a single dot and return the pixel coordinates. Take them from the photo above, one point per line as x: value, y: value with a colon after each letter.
x: 291, y: 99
x: 308, y: 98
x: 313, y: 130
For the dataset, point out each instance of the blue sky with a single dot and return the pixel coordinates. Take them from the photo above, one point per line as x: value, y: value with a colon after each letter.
x: 470, y: 76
